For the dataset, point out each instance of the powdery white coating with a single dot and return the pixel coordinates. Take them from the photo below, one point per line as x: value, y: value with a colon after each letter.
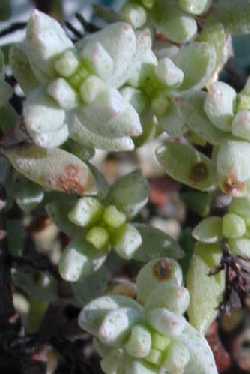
x: 100, y: 59
x: 50, y: 139
x: 220, y: 105
x: 66, y: 64
x: 166, y: 322
x: 129, y: 242
x: 45, y: 39
x: 119, y: 41
x: 135, y: 14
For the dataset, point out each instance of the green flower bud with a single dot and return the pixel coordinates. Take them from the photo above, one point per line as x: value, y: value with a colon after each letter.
x: 113, y: 217
x: 160, y: 342
x: 233, y: 226
x: 219, y: 105
x: 86, y: 211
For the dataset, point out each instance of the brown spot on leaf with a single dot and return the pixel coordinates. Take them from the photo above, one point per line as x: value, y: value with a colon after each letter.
x: 232, y: 186
x: 73, y: 180
x: 199, y: 172
x: 162, y: 270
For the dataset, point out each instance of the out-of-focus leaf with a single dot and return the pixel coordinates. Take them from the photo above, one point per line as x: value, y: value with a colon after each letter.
x: 5, y: 10
x: 101, y: 183
x: 90, y: 287
x: 28, y: 194
x: 187, y: 242
x: 206, y: 291
x: 15, y: 237
x: 53, y: 169
x: 130, y: 193
x: 198, y: 202
x: 155, y: 244
x: 187, y: 165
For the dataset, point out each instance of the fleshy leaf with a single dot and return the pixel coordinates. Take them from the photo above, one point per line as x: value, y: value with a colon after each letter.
x: 130, y: 193
x: 155, y: 244
x: 53, y: 169
x: 206, y: 291
x: 187, y: 165
x: 209, y: 230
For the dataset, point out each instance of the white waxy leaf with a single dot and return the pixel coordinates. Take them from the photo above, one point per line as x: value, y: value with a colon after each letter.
x: 50, y: 139
x: 139, y: 342
x: 116, y: 325
x: 209, y: 230
x: 66, y: 64
x: 169, y: 73
x: 233, y: 170
x: 135, y: 97
x: 177, y: 358
x: 195, y: 7
x: 220, y: 105
x: 154, y: 273
x: 201, y: 357
x: 86, y: 137
x: 172, y: 297
x: 110, y: 116
x: 63, y: 94
x: 134, y: 14
x: 41, y: 113
x: 45, y: 39
x: 119, y: 41
x: 53, y: 169
x: 86, y: 211
x: 166, y: 322
x: 241, y: 125
x: 93, y: 313
x: 129, y: 240
x: 99, y: 58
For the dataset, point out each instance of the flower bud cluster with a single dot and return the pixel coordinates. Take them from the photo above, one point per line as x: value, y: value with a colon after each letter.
x: 148, y: 335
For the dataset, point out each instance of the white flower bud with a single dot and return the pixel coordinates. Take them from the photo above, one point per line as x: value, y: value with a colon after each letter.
x: 169, y: 73
x: 63, y: 94
x: 71, y: 265
x: 86, y: 211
